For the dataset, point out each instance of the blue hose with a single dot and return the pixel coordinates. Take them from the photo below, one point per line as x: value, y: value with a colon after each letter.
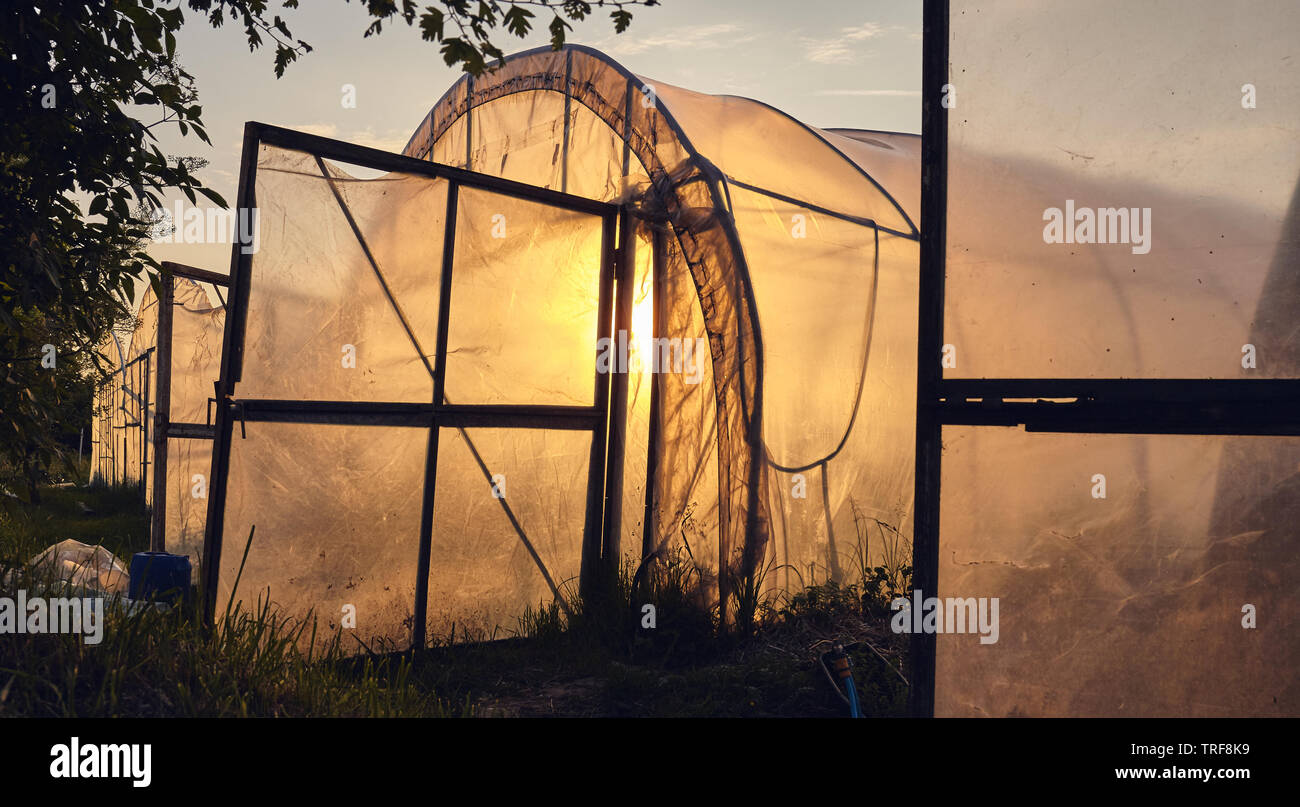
x: 852, y: 691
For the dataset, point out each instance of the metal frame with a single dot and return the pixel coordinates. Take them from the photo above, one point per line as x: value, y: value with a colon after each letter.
x: 132, y: 381
x: 1120, y: 406
x: 434, y: 416
x: 716, y: 184
x: 163, y: 428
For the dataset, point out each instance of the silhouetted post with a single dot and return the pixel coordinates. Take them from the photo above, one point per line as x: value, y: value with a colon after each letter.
x: 162, y: 413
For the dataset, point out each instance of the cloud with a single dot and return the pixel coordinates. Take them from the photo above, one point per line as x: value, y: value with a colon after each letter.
x: 873, y: 93
x: 845, y: 47
x: 695, y: 37
x: 866, y: 30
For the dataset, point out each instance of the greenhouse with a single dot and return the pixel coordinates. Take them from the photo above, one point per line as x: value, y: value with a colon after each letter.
x: 431, y: 326
x: 589, y: 320
x: 160, y: 394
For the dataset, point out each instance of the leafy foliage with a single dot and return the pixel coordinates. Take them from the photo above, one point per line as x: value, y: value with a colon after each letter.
x: 71, y: 77
x: 86, y: 88
x: 465, y: 28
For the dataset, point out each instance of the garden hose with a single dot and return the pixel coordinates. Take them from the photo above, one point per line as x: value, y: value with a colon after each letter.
x: 839, y: 669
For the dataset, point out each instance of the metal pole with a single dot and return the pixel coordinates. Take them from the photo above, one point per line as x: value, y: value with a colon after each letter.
x: 929, y: 373
x: 232, y: 355
x: 624, y: 275
x: 657, y: 296
x: 591, y: 578
x: 144, y: 426
x: 420, y: 626
x: 162, y: 415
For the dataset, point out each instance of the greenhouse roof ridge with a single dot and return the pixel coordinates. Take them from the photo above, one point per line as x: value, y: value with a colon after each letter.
x: 911, y: 230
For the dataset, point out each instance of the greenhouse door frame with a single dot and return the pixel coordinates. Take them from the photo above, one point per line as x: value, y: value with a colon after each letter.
x: 140, y: 368
x: 164, y: 430
x: 430, y: 416
x: 1080, y: 406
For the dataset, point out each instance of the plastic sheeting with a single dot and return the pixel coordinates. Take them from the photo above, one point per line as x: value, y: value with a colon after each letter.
x: 1116, y: 108
x: 123, y: 417
x: 1128, y: 567
x: 484, y: 571
x: 86, y: 567
x: 343, y: 307
x: 108, y: 462
x: 779, y: 304
x: 506, y: 295
x: 791, y: 252
x: 1128, y: 599
x: 337, y: 516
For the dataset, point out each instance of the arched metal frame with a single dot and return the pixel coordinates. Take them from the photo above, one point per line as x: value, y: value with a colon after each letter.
x: 741, y: 443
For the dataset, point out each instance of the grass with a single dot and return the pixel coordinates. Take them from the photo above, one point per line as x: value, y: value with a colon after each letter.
x: 602, y: 661
x: 599, y: 659
x: 167, y: 664
x: 118, y: 520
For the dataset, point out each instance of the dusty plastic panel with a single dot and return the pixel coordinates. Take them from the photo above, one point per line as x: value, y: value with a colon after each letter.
x: 525, y: 294
x: 1126, y: 568
x: 1101, y: 227
x: 508, y: 523
x: 337, y: 517
x: 1166, y: 133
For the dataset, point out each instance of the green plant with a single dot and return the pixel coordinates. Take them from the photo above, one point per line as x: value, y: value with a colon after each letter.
x: 889, y: 579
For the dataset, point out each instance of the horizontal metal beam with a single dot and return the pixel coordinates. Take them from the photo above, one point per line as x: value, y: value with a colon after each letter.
x: 190, y: 431
x: 519, y: 417
x: 194, y: 273
x: 1092, y: 418
x: 386, y: 413
x: 1167, y: 390
x: 386, y: 161
x: 1254, y: 410
x: 1114, y: 422
x: 360, y: 413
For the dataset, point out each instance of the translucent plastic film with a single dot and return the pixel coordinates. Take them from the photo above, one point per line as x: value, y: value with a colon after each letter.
x: 640, y: 379
x: 740, y: 136
x: 841, y: 462
x: 344, y: 301
x: 1122, y: 189
x: 508, y: 521
x: 197, y: 329
x: 1134, y: 575
x: 525, y: 294
x: 337, y: 517
x: 126, y: 411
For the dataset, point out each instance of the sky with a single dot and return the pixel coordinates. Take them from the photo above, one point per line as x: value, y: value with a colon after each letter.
x: 846, y: 63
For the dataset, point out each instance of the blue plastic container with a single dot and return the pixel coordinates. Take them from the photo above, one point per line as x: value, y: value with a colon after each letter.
x: 159, y: 577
